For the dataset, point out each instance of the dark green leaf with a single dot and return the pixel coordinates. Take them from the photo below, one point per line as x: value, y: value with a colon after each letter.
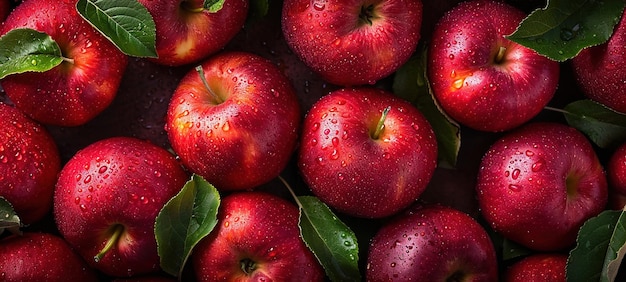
x: 213, y: 6
x: 127, y: 23
x: 258, y: 9
x: 605, y: 127
x: 512, y: 250
x: 564, y: 27
x: 23, y: 50
x: 8, y: 218
x: 411, y: 83
x: 184, y: 221
x: 616, y: 251
x: 332, y: 242
x: 588, y: 259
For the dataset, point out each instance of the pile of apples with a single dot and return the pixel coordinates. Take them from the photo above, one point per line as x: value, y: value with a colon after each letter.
x: 257, y: 97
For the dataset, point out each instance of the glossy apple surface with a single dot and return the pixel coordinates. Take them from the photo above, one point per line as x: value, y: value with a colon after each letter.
x: 601, y: 70
x: 35, y: 256
x: 351, y: 169
x: 352, y: 42
x: 540, y: 267
x: 29, y: 164
x: 83, y: 85
x: 480, y: 78
x: 112, y: 190
x: 538, y: 184
x: 616, y: 175
x: 244, y: 135
x: 432, y: 243
x: 257, y: 239
x: 187, y: 33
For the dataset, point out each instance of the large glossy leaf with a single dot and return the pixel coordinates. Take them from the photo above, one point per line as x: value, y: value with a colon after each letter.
x: 184, y: 221
x: 564, y: 27
x: 411, y: 83
x: 599, y: 248
x: 24, y: 50
x: 8, y: 218
x: 127, y: 23
x: 333, y: 243
x: 605, y: 127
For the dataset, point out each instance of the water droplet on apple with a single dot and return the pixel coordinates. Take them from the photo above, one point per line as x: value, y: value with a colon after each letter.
x: 515, y: 188
x: 515, y: 174
x: 102, y: 169
x: 537, y: 166
x: 335, y: 141
x: 451, y: 56
x: 386, y: 155
x: 226, y: 126
x: 334, y: 155
x: 326, y: 131
x: 87, y: 179
x: 458, y: 83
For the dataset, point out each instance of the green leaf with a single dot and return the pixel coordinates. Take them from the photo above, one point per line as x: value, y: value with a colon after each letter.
x: 24, y: 49
x: 184, y: 221
x: 512, y: 250
x: 411, y: 83
x: 258, y: 9
x: 213, y: 6
x: 564, y: 27
x: 8, y: 218
x: 616, y: 251
x: 126, y: 23
x: 589, y: 260
x: 605, y: 127
x: 332, y: 242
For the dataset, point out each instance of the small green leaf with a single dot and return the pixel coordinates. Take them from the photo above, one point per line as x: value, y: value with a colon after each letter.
x: 8, y: 218
x: 411, y: 83
x: 332, y: 242
x: 126, y: 23
x: 588, y: 260
x: 213, y: 6
x: 605, y: 127
x: 564, y: 27
x: 24, y: 49
x: 184, y: 221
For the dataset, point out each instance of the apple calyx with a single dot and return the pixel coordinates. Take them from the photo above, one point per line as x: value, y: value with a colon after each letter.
x: 367, y: 15
x: 115, y: 232
x: 381, y: 124
x: 217, y: 98
x: 247, y: 265
x: 571, y: 184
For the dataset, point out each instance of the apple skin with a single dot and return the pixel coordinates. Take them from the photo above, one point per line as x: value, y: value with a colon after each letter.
x: 601, y: 70
x: 118, y: 181
x: 356, y: 174
x: 35, y: 256
x: 538, y: 184
x: 29, y: 164
x: 186, y: 36
x: 330, y: 38
x: 469, y: 81
x: 540, y: 267
x: 74, y: 93
x: 616, y: 175
x: 5, y: 9
x: 247, y: 139
x: 432, y: 243
x: 259, y: 228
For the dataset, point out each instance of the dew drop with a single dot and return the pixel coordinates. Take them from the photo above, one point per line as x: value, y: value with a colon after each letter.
x: 514, y: 187
x: 226, y: 126
x: 335, y: 141
x: 102, y: 169
x: 458, y: 83
x: 319, y: 5
x: 515, y: 174
x: 537, y: 166
x: 87, y: 179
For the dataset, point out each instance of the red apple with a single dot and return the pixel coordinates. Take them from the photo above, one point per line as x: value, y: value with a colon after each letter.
x: 540, y: 267
x: 359, y: 167
x: 29, y: 164
x: 432, y: 243
x: 616, y: 175
x: 538, y: 184
x: 352, y: 42
x: 83, y: 85
x: 5, y: 9
x: 601, y: 70
x: 240, y: 130
x: 257, y: 239
x: 41, y: 257
x: 187, y: 33
x: 480, y: 78
x: 107, y: 198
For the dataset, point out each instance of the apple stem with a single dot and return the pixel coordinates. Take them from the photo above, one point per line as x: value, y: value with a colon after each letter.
x: 500, y: 55
x: 69, y: 60
x: 381, y: 123
x: 247, y: 266
x: 206, y: 85
x: 118, y: 229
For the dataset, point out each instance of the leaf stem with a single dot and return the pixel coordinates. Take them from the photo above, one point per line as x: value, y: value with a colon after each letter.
x: 381, y: 123
x: 293, y: 194
x: 557, y: 110
x: 207, y: 86
x: 117, y: 231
